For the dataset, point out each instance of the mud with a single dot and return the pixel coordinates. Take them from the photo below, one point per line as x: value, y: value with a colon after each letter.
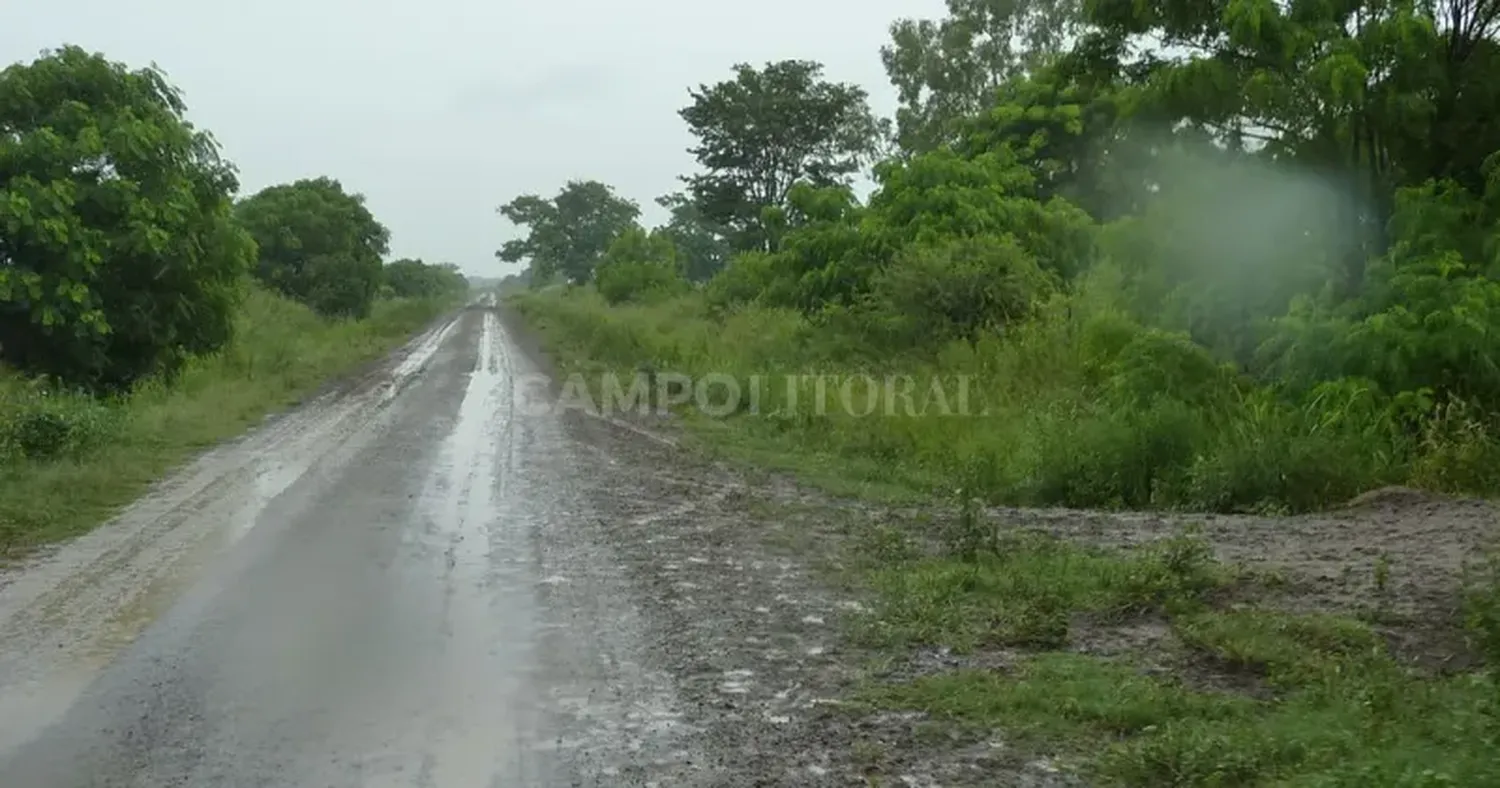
x: 418, y: 580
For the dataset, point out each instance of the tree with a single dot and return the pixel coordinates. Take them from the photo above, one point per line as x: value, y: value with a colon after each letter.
x: 569, y: 233
x: 118, y: 254
x: 1372, y: 95
x: 318, y: 244
x: 408, y: 278
x: 764, y: 131
x: 701, y: 247
x: 946, y: 70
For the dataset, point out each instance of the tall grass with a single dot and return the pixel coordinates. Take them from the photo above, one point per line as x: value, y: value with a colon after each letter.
x: 1081, y: 406
x: 68, y: 461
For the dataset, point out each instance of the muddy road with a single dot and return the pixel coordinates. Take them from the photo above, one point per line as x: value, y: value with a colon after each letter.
x: 420, y: 579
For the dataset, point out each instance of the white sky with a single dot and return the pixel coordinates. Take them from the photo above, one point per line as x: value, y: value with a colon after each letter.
x: 441, y: 110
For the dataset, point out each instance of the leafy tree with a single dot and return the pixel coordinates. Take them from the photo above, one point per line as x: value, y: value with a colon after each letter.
x: 701, y: 247
x: 408, y: 278
x: 1374, y: 95
x: 766, y: 130
x: 118, y: 254
x: 949, y: 69
x: 514, y: 283
x: 318, y: 244
x: 568, y: 234
x: 832, y: 248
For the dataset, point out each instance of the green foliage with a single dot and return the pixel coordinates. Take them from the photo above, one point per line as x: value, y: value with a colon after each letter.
x: 640, y: 266
x: 1257, y: 271
x: 416, y: 279
x: 568, y: 234
x: 946, y: 70
x: 44, y: 422
x: 747, y: 278
x: 131, y: 330
x: 318, y: 244
x: 118, y: 257
x: 957, y: 289
x: 701, y: 248
x: 765, y: 131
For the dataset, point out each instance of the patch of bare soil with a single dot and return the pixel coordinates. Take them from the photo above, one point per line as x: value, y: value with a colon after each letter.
x: 732, y: 577
x: 1394, y: 556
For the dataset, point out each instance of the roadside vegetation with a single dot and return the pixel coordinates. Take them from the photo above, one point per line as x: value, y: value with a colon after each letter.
x: 1252, y: 271
x: 144, y: 312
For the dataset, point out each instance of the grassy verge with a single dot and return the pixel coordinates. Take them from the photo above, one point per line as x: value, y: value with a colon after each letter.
x: 1154, y: 666
x: 67, y: 463
x: 587, y: 338
x: 1080, y: 407
x: 1134, y: 669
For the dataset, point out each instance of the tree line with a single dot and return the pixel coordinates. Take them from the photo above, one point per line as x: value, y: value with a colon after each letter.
x: 1239, y: 218
x: 123, y: 248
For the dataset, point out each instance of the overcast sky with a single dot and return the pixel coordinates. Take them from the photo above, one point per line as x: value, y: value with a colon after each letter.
x: 441, y: 110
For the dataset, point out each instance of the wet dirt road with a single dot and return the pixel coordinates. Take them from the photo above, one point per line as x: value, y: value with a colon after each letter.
x: 399, y: 584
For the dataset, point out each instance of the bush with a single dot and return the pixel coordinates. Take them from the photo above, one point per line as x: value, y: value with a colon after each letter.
x: 956, y: 289
x: 638, y: 280
x: 639, y: 266
x: 41, y: 422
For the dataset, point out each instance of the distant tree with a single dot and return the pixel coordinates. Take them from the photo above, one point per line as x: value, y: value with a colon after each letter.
x: 767, y: 129
x: 408, y: 278
x: 318, y: 244
x: 118, y: 254
x: 569, y: 233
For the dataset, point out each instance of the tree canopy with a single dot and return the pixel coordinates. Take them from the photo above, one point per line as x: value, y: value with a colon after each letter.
x: 318, y: 244
x: 948, y: 69
x: 766, y: 130
x: 118, y: 253
x: 568, y: 234
x: 409, y: 278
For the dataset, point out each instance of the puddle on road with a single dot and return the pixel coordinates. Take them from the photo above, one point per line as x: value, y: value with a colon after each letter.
x: 461, y: 493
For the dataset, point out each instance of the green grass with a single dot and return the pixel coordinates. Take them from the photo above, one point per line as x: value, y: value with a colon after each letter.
x: 1367, y: 725
x: 1241, y: 694
x: 1334, y: 707
x: 1081, y: 407
x: 67, y: 462
x: 1027, y: 591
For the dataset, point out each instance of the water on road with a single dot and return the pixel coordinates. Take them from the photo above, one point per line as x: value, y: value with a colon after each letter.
x: 391, y: 586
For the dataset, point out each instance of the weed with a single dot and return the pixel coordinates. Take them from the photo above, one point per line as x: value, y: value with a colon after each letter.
x: 1382, y: 573
x: 1027, y: 591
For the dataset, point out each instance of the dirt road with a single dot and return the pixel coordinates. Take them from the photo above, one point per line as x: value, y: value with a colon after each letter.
x: 420, y: 579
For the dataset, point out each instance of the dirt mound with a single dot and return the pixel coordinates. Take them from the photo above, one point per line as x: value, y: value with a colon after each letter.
x: 1395, y: 498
